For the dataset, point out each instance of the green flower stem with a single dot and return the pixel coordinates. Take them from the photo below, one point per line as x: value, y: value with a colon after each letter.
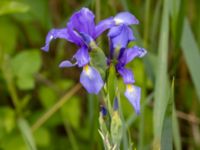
x: 55, y: 108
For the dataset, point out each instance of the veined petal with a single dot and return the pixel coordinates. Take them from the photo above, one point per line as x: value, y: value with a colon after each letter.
x: 53, y: 34
x: 82, y: 56
x: 91, y: 79
x: 104, y: 25
x: 83, y: 21
x: 76, y: 38
x: 66, y: 63
x: 119, y: 36
x: 125, y: 18
x: 133, y: 94
x: 86, y: 38
x: 126, y: 74
x: 131, y: 53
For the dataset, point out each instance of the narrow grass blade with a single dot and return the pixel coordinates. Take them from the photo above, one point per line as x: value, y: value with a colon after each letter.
x: 161, y: 87
x: 191, y: 54
x: 166, y: 140
x: 176, y: 131
x: 26, y: 133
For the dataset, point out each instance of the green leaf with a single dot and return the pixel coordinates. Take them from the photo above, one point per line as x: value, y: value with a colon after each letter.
x: 176, y: 131
x: 112, y: 82
x: 98, y: 60
x: 26, y: 133
x: 166, y: 140
x: 42, y: 137
x: 8, y: 29
x: 191, y: 54
x: 161, y: 87
x: 10, y: 7
x: 24, y: 66
x: 71, y: 116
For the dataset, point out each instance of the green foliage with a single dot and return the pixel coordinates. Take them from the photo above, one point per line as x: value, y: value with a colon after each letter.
x: 31, y: 83
x: 9, y: 7
x: 25, y: 65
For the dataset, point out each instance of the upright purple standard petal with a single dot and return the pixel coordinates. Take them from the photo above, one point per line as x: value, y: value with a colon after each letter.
x: 83, y: 21
x: 133, y: 94
x: 82, y: 56
x: 119, y: 36
x: 104, y: 25
x: 125, y: 18
x: 91, y: 79
x: 53, y: 34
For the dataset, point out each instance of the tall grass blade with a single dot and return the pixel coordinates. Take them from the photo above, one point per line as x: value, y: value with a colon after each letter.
x: 26, y: 133
x: 161, y: 87
x: 191, y: 54
x: 166, y: 140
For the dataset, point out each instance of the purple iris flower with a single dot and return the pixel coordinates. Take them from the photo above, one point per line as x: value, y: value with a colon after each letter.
x: 120, y: 35
x: 80, y: 30
x: 132, y: 92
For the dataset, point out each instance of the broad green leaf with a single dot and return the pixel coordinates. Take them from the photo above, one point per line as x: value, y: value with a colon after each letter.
x: 26, y: 133
x: 7, y: 119
x: 10, y: 7
x: 47, y: 97
x: 191, y: 54
x: 161, y: 87
x: 42, y: 137
x: 26, y: 82
x: 24, y: 66
x: 8, y: 36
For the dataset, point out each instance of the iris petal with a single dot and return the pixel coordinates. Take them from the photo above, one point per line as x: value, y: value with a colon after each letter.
x: 131, y: 53
x: 91, y: 80
x: 126, y: 74
x: 83, y: 21
x: 66, y: 63
x: 133, y: 94
x: 104, y: 25
x: 53, y: 34
x: 119, y: 36
x: 125, y: 18
x: 82, y: 56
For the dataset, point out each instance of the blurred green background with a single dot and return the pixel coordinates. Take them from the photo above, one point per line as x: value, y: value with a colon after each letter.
x: 43, y: 107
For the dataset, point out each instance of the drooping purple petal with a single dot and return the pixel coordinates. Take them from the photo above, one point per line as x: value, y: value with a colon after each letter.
x: 82, y: 56
x: 126, y: 74
x: 91, y: 80
x: 66, y: 63
x: 119, y: 36
x: 104, y: 25
x: 53, y: 34
x: 125, y: 18
x: 131, y: 53
x: 83, y: 21
x: 133, y: 94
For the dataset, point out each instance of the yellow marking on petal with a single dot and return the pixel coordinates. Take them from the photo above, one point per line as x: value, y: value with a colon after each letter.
x: 130, y: 87
x: 87, y: 70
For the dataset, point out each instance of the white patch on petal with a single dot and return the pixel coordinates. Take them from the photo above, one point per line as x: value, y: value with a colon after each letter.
x: 118, y: 21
